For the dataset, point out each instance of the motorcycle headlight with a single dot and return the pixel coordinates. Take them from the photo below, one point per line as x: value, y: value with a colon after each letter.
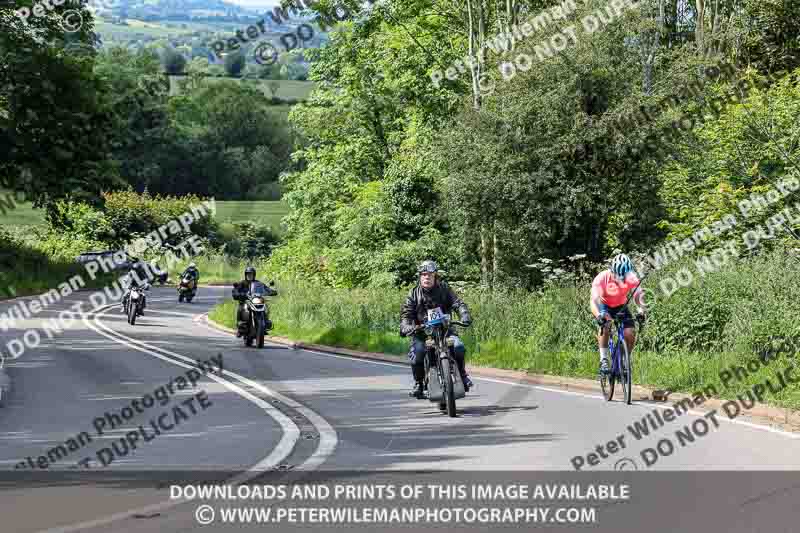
x: 258, y: 301
x: 135, y: 296
x: 429, y: 343
x: 450, y: 341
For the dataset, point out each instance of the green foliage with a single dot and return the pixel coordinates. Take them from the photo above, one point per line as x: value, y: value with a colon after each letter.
x: 234, y: 63
x: 53, y: 145
x: 250, y: 241
x: 174, y: 61
x: 28, y: 267
x: 132, y: 215
x: 748, y: 150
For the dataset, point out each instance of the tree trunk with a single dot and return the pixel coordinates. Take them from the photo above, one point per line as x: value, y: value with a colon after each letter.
x: 485, y: 259
x: 495, y: 256
x: 699, y: 30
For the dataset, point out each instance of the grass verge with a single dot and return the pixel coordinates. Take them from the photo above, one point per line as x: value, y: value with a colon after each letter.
x: 548, y: 333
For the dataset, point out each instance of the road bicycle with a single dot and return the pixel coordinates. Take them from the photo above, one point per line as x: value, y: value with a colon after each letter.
x: 621, y: 368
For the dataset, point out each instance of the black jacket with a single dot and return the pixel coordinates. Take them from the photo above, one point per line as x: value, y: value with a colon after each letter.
x: 193, y: 272
x: 415, y: 309
x: 241, y: 288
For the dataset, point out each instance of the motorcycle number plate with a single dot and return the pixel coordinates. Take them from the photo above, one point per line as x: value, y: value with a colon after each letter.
x: 435, y: 314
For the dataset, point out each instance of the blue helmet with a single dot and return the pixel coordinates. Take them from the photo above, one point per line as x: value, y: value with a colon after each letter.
x: 620, y: 266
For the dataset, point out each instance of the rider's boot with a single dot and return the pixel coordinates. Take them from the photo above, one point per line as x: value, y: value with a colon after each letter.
x: 241, y: 328
x: 417, y: 391
x: 419, y: 387
x: 462, y: 369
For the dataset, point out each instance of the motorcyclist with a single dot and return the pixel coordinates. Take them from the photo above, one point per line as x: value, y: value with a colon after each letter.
x: 192, y: 273
x: 240, y: 291
x: 138, y: 276
x: 430, y: 293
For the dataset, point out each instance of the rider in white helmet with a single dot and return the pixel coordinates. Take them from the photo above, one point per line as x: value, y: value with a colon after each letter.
x: 610, y: 291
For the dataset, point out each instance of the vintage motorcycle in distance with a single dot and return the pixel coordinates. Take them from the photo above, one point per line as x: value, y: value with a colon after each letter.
x: 443, y: 381
x: 187, y: 289
x: 256, y: 311
x: 132, y: 302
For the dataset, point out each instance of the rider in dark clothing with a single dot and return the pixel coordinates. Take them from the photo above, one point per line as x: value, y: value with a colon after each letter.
x: 192, y: 271
x: 138, y: 276
x: 194, y: 274
x: 240, y: 291
x: 429, y: 294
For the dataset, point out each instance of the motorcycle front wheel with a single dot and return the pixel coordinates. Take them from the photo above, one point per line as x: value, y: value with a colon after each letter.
x: 449, y: 393
x: 132, y: 308
x: 261, y: 327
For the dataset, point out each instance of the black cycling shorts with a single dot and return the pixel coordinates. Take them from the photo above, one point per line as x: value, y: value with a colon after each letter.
x: 627, y: 318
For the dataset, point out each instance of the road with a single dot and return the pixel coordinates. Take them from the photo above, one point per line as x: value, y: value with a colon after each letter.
x: 278, y: 409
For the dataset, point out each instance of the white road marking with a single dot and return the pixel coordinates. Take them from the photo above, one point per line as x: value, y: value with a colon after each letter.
x: 595, y: 397
x: 291, y: 433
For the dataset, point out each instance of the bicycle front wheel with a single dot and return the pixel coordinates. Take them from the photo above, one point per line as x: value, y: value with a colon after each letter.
x: 607, y: 381
x: 627, y: 373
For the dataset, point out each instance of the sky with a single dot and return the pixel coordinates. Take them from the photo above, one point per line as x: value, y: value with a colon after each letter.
x: 254, y: 4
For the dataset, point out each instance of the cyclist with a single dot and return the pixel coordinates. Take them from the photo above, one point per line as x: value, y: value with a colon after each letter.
x: 610, y: 291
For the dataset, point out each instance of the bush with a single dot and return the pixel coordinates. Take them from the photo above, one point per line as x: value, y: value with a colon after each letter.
x: 134, y: 215
x: 250, y: 241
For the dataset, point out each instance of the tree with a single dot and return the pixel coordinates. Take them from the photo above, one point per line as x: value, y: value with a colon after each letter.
x: 234, y: 63
x: 174, y: 61
x: 53, y: 147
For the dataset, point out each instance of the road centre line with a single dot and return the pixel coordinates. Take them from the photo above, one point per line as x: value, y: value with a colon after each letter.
x: 291, y: 433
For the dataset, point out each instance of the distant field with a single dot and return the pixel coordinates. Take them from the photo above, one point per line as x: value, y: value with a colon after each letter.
x: 137, y: 28
x: 262, y: 213
x: 22, y: 215
x: 288, y: 88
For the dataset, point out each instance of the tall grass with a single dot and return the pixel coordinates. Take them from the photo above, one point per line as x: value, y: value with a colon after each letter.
x: 742, y: 313
x: 25, y: 270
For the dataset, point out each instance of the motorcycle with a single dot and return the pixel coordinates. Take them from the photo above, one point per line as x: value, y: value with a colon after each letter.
x: 256, y: 309
x: 187, y: 289
x: 132, y: 303
x: 443, y: 381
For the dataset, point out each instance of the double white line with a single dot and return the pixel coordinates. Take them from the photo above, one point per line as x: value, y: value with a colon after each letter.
x: 291, y: 432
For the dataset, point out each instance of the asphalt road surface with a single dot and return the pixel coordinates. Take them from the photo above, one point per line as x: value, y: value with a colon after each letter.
x: 277, y: 410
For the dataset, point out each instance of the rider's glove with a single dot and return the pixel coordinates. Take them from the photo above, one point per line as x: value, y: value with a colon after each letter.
x: 601, y: 319
x: 407, y: 329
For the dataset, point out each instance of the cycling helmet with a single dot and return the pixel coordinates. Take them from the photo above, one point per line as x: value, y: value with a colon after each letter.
x: 249, y: 270
x: 620, y: 266
x: 428, y: 266
x: 192, y: 265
